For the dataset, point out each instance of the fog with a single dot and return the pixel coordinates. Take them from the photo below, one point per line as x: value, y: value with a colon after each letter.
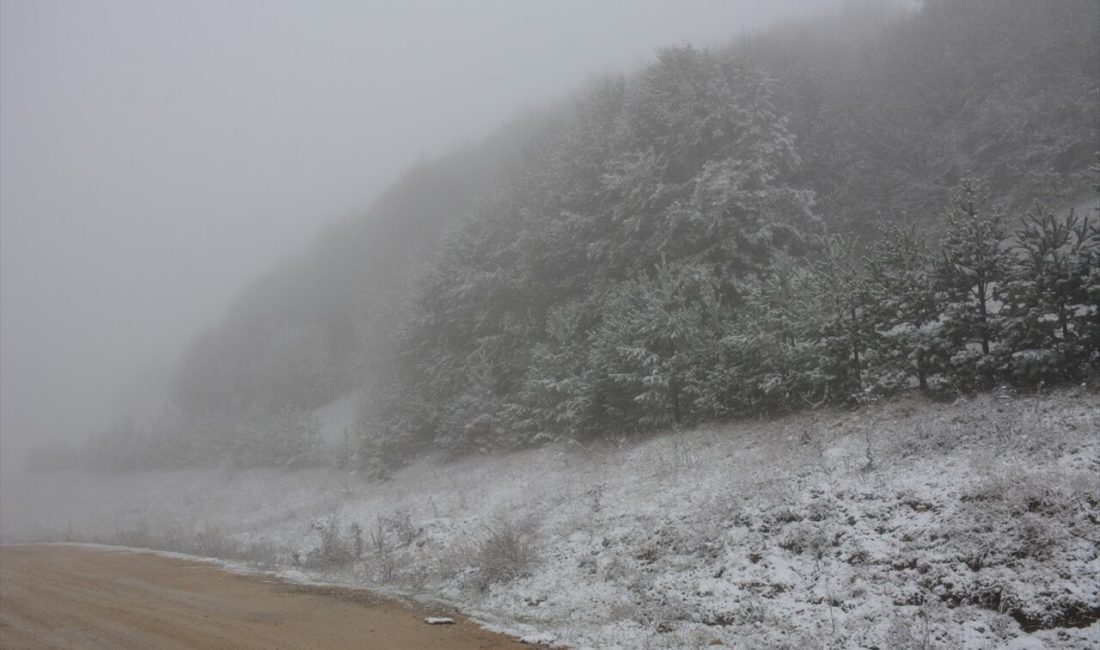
x: 157, y: 157
x: 608, y: 324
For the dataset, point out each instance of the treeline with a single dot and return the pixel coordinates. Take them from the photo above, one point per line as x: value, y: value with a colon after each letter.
x: 667, y: 255
x: 725, y: 232
x: 688, y: 340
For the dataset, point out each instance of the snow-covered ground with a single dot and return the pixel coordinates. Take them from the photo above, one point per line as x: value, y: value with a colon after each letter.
x: 907, y: 524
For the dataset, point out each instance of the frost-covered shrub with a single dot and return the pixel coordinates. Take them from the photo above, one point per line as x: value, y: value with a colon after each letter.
x: 508, y: 551
x: 333, y: 548
x: 390, y: 551
x: 401, y: 525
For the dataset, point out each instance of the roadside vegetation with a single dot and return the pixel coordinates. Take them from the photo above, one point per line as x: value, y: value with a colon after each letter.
x: 908, y: 524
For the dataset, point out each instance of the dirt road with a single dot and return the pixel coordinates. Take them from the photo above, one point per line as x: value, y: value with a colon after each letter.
x: 72, y: 597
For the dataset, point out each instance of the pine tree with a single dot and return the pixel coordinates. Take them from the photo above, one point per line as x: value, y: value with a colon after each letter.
x: 903, y: 304
x: 647, y: 352
x: 972, y: 267
x: 1047, y: 294
x: 840, y: 322
x: 557, y: 395
x: 770, y: 354
x: 1087, y: 267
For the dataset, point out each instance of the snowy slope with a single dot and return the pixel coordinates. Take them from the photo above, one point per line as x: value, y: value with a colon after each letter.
x: 908, y: 524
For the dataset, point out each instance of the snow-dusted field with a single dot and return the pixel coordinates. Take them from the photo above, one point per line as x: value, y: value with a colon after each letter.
x: 907, y: 524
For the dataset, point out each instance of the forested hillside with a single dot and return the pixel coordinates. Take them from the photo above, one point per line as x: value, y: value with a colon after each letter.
x: 825, y: 212
x: 318, y: 327
x: 888, y: 122
x: 698, y: 242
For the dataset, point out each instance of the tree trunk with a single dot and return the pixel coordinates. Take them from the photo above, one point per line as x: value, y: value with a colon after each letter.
x: 921, y: 378
x: 855, y: 351
x: 985, y: 318
x: 674, y: 393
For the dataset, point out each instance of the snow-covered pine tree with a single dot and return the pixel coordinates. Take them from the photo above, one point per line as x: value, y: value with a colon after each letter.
x: 971, y: 270
x: 1046, y: 296
x: 1088, y: 268
x: 557, y: 394
x: 903, y: 304
x: 840, y: 322
x: 648, y: 354
x: 769, y: 356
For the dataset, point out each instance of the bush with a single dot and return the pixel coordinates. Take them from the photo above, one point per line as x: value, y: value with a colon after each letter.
x: 333, y: 550
x: 507, y: 552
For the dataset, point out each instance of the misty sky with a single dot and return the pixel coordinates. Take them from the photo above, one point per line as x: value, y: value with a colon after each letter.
x: 155, y: 157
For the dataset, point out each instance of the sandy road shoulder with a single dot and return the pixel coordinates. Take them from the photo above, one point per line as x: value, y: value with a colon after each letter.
x: 72, y: 597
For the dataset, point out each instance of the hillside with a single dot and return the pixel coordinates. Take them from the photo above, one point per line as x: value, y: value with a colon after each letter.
x: 908, y: 524
x: 788, y: 343
x: 792, y: 343
x: 721, y: 234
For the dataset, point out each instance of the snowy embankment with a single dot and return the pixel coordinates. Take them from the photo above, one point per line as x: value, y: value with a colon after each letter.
x: 907, y: 524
